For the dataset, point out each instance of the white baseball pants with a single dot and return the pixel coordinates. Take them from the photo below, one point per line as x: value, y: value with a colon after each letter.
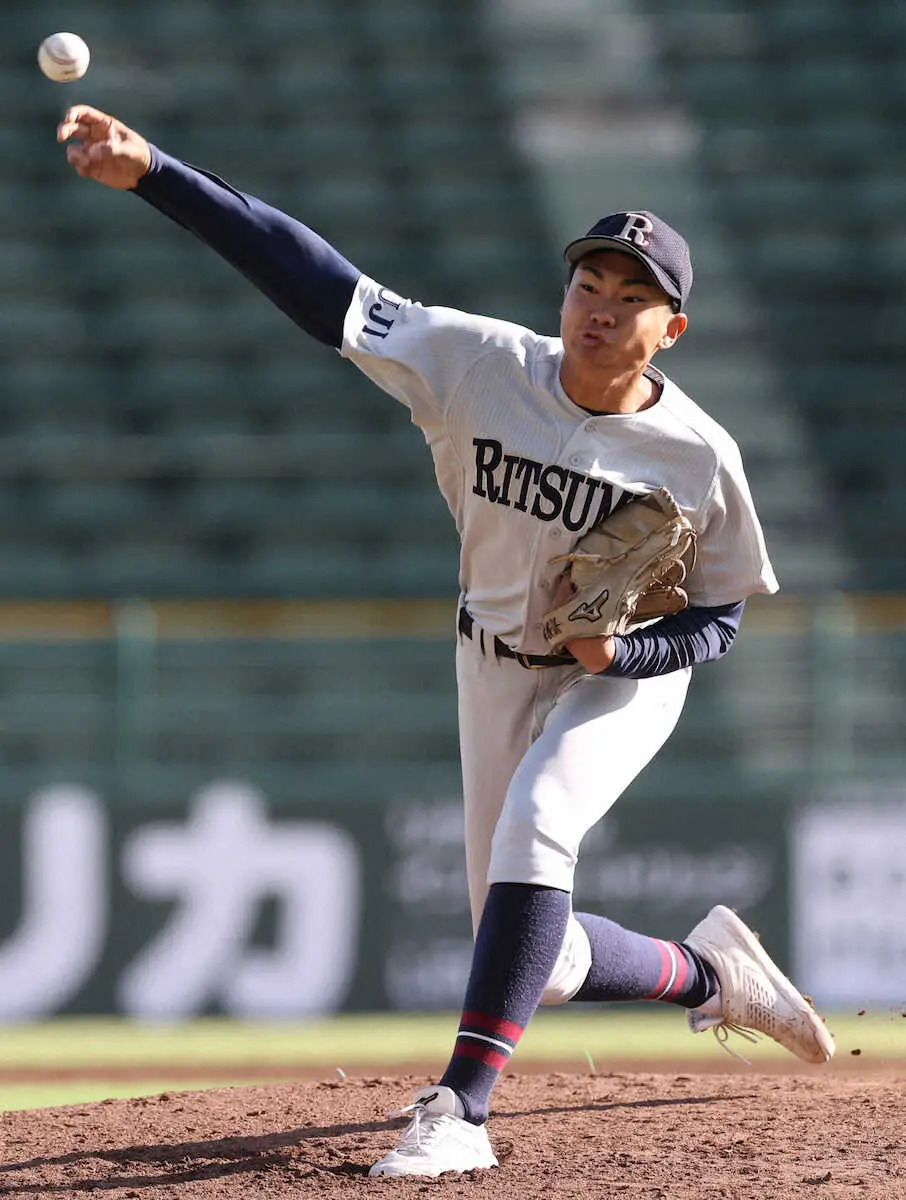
x: 545, y: 754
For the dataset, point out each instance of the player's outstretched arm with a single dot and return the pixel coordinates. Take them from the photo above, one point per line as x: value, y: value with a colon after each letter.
x: 103, y: 148
x: 292, y: 265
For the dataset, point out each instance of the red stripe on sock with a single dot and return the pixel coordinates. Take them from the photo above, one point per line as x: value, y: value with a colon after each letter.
x: 486, y: 1054
x: 495, y: 1025
x: 666, y: 971
x: 682, y: 973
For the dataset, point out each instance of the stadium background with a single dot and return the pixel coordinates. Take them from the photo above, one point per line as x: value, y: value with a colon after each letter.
x: 229, y: 777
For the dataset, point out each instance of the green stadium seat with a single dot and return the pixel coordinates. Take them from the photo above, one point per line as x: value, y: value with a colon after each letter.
x: 198, y: 451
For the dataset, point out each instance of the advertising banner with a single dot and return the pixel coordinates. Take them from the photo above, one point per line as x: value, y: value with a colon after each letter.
x: 849, y: 897
x: 172, y: 911
x: 238, y: 904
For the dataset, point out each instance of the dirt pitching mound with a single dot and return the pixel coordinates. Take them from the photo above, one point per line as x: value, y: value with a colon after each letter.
x: 739, y: 1136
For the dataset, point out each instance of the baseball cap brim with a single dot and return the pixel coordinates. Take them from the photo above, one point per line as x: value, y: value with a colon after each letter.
x: 587, y: 245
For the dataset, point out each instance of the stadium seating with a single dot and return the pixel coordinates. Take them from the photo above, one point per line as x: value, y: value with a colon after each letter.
x: 119, y: 326
x: 164, y: 431
x: 803, y: 147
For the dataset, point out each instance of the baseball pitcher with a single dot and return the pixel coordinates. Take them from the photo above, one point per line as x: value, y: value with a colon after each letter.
x: 609, y: 542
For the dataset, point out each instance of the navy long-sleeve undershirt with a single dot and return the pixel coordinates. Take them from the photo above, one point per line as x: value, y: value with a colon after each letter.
x: 295, y: 268
x: 310, y: 281
x: 693, y: 636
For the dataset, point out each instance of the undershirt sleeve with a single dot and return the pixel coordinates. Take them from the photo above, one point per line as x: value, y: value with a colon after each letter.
x: 292, y: 265
x: 686, y: 639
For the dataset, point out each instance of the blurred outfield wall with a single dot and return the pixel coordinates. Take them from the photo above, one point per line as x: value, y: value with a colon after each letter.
x: 200, y: 814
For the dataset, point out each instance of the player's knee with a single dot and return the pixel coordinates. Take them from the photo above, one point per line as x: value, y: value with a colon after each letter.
x: 522, y: 852
x: 571, y: 968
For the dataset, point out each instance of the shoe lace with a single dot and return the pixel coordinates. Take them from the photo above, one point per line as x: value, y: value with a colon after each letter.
x: 722, y: 1031
x: 423, y: 1124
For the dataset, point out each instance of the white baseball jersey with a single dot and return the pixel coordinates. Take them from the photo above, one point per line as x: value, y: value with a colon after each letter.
x: 526, y: 472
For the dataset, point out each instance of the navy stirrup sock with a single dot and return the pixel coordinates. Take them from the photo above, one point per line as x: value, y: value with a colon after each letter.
x: 517, y: 944
x: 631, y: 966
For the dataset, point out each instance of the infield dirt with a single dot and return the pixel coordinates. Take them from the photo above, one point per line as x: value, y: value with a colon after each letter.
x: 824, y: 1133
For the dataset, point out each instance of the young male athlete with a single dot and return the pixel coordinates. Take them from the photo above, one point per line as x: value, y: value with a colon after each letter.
x: 534, y: 439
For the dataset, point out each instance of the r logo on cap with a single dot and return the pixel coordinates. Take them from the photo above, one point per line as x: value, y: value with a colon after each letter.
x: 636, y: 230
x: 663, y: 251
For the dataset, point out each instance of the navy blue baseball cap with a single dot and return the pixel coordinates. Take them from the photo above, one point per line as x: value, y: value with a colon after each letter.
x: 663, y: 251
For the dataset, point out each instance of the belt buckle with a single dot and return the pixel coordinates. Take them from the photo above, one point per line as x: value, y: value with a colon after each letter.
x: 523, y: 660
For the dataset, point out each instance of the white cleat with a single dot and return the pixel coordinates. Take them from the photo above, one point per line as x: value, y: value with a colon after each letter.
x: 436, y: 1139
x: 755, y: 996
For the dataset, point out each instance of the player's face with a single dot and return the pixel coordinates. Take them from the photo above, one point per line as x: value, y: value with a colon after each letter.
x: 615, y: 315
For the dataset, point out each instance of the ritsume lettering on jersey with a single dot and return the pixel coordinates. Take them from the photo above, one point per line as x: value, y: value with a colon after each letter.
x: 545, y: 491
x: 534, y: 439
x: 513, y: 452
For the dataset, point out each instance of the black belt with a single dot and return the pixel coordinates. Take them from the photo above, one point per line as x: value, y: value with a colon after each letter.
x: 531, y: 662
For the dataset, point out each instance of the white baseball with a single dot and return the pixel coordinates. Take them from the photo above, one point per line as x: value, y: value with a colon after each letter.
x: 63, y: 57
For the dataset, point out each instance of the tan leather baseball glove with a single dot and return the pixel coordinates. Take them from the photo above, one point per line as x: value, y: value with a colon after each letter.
x: 626, y: 569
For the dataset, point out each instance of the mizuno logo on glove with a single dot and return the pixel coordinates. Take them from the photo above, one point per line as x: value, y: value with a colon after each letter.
x: 590, y: 610
x: 626, y: 569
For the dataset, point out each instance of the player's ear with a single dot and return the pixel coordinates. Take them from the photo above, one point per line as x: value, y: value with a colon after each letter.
x: 676, y: 327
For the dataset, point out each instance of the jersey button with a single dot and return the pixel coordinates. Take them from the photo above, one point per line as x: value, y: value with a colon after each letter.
x: 574, y: 460
x: 589, y: 426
